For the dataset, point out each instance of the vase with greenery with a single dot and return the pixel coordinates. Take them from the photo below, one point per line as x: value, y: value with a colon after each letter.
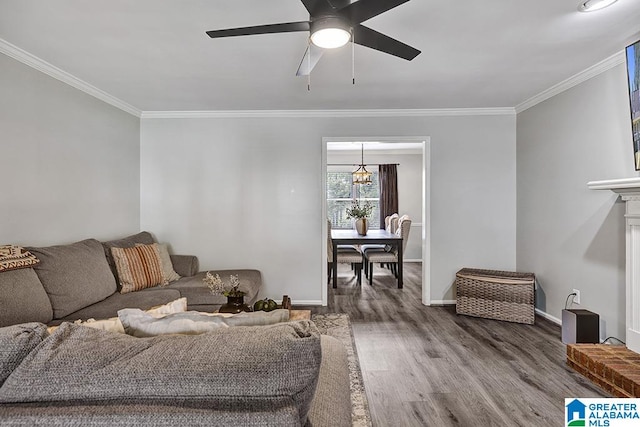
x: 235, y: 296
x: 360, y: 212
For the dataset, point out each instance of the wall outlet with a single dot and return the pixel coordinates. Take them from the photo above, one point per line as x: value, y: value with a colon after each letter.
x: 576, y: 297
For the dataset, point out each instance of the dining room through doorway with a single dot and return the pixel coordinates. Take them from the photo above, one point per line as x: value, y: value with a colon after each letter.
x: 342, y: 156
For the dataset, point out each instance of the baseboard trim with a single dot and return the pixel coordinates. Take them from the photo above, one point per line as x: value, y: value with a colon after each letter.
x: 443, y: 302
x: 306, y: 302
x: 548, y: 316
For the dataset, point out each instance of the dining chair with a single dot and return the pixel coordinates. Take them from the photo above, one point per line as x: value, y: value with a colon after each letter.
x: 374, y: 255
x: 347, y: 254
x: 391, y: 225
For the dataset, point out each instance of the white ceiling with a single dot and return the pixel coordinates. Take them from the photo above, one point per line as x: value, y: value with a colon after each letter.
x: 155, y: 55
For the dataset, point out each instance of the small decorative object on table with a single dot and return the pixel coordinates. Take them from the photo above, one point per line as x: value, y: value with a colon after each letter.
x: 235, y: 297
x: 265, y: 305
x: 294, y: 314
x: 360, y: 213
x: 286, y: 302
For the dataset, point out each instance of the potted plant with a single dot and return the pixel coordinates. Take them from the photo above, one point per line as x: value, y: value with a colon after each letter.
x: 360, y: 214
x: 235, y: 297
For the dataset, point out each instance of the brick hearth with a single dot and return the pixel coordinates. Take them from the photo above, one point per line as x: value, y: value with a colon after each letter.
x: 614, y: 368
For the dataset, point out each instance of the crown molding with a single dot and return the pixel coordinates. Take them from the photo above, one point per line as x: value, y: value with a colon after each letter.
x: 572, y: 81
x: 55, y: 72
x: 221, y: 114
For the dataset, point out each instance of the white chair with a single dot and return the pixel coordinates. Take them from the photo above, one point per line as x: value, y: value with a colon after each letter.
x: 391, y: 225
x: 374, y: 255
x: 347, y: 254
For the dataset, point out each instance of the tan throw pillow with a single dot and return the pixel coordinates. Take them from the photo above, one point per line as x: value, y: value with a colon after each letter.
x: 165, y: 260
x: 175, y: 306
x: 13, y: 257
x: 139, y: 267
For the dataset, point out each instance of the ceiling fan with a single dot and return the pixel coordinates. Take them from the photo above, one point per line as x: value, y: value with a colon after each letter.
x: 332, y: 24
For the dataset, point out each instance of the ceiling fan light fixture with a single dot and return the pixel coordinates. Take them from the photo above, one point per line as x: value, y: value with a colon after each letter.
x: 330, y: 33
x: 593, y: 5
x: 330, y: 38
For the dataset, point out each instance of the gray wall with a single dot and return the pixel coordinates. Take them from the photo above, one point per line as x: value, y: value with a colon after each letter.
x: 246, y: 192
x: 569, y: 236
x: 410, y: 191
x: 70, y: 163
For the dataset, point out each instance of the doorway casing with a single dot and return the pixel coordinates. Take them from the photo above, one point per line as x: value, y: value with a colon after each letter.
x: 426, y: 206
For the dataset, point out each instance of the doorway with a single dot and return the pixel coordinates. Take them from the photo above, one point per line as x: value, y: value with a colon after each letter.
x: 375, y: 148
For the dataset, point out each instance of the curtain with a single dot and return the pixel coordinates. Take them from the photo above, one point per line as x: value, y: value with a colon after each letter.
x: 388, y: 179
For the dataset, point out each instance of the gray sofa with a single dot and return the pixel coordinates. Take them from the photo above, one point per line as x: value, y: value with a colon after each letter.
x: 278, y: 375
x: 79, y: 281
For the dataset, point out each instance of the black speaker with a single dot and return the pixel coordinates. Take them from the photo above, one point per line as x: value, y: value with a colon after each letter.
x: 580, y: 326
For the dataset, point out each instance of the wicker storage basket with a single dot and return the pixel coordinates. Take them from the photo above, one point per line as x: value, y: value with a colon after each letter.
x: 500, y: 295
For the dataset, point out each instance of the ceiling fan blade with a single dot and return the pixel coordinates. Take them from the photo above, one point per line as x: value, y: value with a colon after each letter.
x: 309, y: 60
x: 339, y: 4
x: 362, y: 10
x: 370, y: 38
x: 316, y: 7
x: 286, y: 27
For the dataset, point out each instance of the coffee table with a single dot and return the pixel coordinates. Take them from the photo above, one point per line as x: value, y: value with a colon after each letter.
x: 299, y: 314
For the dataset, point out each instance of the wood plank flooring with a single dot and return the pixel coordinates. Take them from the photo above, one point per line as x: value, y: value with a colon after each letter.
x: 427, y: 366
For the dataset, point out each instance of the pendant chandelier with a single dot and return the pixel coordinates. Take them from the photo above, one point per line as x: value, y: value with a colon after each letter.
x: 361, y: 175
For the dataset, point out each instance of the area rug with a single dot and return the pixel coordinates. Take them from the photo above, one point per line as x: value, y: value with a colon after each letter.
x: 339, y: 327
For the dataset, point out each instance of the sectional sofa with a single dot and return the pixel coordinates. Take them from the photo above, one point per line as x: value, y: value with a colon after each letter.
x: 80, y: 281
x: 285, y: 374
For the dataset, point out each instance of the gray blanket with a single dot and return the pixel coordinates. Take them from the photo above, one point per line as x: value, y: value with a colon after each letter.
x: 241, y: 369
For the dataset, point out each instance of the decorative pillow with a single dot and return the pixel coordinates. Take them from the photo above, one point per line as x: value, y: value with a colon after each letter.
x: 141, y: 324
x: 16, y: 342
x: 113, y: 324
x: 143, y: 237
x: 165, y: 260
x: 176, y: 306
x: 13, y: 257
x: 139, y: 267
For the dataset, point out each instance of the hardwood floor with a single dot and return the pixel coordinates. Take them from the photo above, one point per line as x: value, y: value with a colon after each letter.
x: 427, y: 366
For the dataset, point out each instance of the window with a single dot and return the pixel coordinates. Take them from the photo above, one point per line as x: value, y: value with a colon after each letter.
x: 341, y: 193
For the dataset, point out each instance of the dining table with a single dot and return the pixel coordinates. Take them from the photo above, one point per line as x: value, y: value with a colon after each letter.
x: 373, y: 237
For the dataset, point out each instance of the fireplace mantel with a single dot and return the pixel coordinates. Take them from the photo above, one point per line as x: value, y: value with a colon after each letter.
x: 629, y: 190
x: 620, y: 186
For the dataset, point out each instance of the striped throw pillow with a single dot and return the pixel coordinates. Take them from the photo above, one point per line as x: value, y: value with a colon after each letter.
x: 139, y: 267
